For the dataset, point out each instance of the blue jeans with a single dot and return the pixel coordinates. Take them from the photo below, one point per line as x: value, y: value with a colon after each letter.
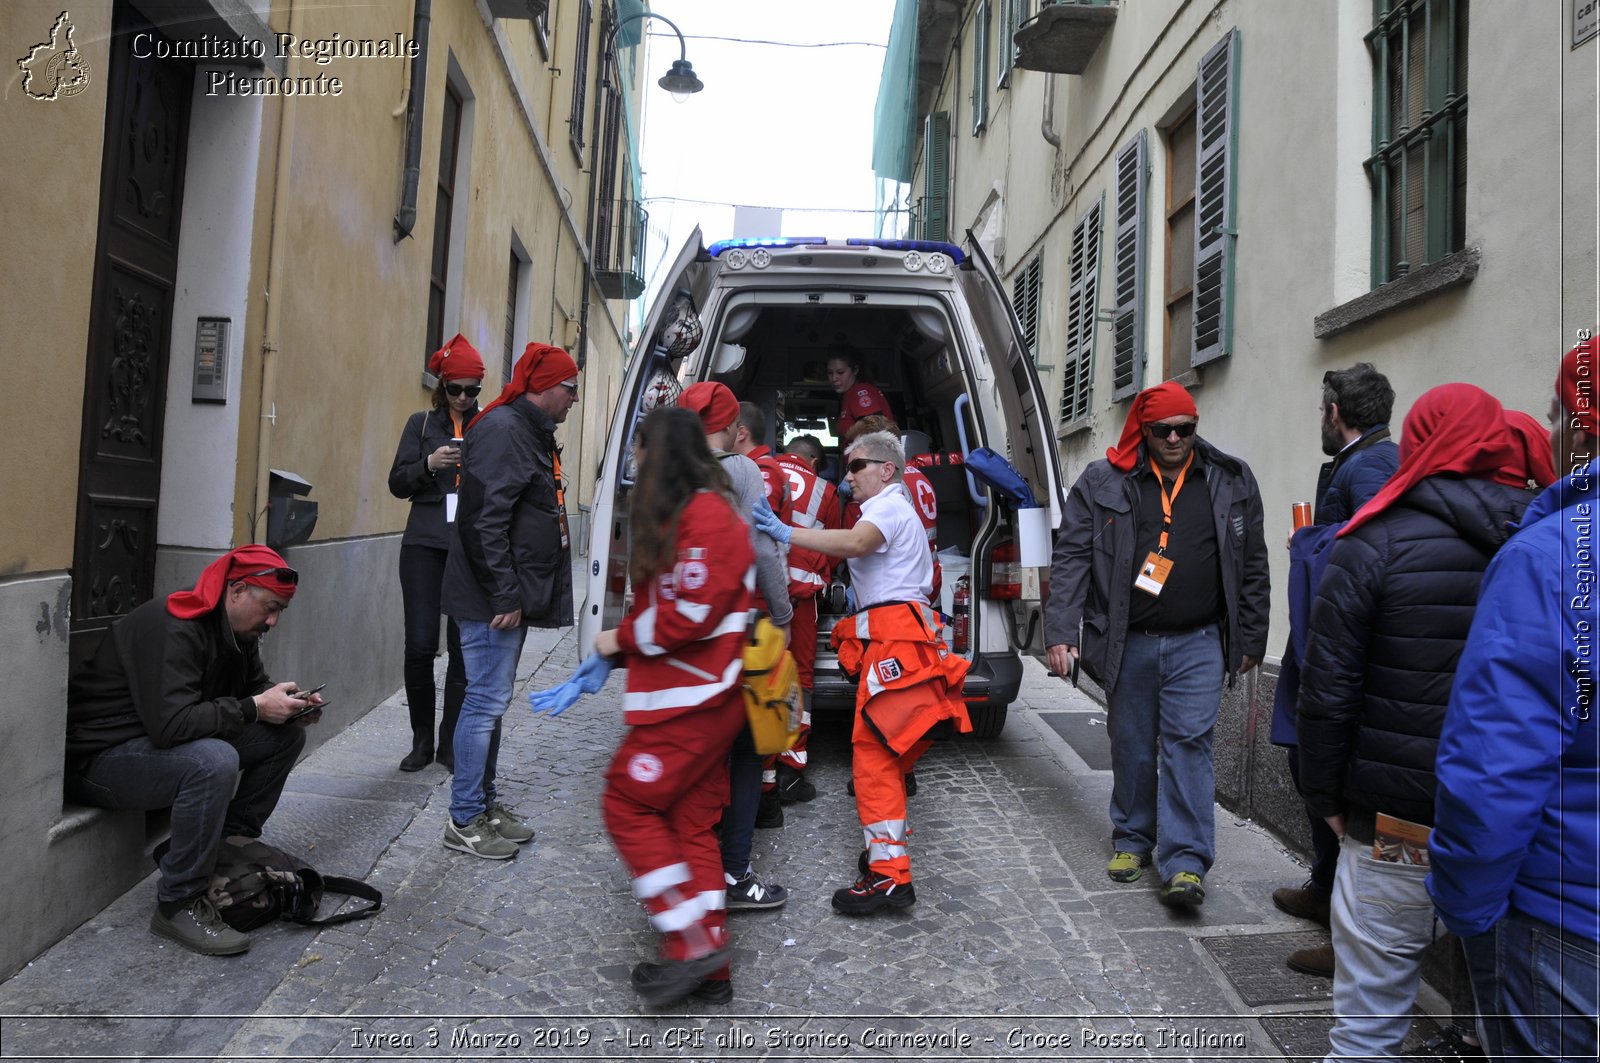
x: 1382, y: 920
x: 744, y: 801
x: 197, y: 779
x: 1160, y: 718
x: 1537, y: 987
x: 491, y: 660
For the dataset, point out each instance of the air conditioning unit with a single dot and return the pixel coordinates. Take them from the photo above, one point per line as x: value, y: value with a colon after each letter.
x: 529, y: 9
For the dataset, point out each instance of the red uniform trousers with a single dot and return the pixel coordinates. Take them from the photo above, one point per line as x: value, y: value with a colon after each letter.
x: 803, y: 644
x: 665, y: 789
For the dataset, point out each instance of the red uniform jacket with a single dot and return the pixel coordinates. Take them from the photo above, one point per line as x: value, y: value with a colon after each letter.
x: 861, y: 400
x: 813, y: 503
x: 686, y: 633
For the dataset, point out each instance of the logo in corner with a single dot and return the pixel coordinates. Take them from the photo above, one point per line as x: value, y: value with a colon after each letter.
x: 55, y: 68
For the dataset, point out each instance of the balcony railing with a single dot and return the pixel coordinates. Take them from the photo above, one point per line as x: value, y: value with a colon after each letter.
x: 619, y: 248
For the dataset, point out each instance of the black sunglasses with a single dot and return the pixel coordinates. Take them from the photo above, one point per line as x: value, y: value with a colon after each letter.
x: 471, y: 390
x: 857, y: 464
x: 282, y: 575
x: 1161, y: 429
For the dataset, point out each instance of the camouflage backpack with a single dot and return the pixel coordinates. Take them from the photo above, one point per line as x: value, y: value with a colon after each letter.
x: 254, y: 883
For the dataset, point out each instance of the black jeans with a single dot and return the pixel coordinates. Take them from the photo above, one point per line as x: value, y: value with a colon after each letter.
x: 1324, y: 843
x: 421, y: 579
x: 197, y: 780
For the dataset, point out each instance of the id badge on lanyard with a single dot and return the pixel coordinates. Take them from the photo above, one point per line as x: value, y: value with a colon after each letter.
x: 1152, y: 577
x: 561, y: 499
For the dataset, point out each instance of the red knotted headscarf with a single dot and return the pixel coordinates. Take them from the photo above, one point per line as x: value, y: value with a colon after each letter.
x: 1454, y: 428
x: 714, y: 403
x: 254, y: 564
x: 1575, y: 387
x: 1534, y: 459
x: 457, y: 360
x: 1168, y: 399
x: 540, y: 368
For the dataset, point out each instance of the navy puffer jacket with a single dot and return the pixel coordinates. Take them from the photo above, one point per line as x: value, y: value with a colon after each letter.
x: 1391, y: 615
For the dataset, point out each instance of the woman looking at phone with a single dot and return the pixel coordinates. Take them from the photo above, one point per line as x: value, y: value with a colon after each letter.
x: 427, y: 470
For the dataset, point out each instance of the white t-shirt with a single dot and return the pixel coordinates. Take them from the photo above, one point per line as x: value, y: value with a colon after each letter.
x: 901, y: 570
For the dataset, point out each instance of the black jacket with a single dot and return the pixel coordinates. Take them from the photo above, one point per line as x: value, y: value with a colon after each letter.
x: 1091, y: 574
x: 506, y: 549
x: 174, y: 680
x: 425, y: 432
x: 1391, y: 614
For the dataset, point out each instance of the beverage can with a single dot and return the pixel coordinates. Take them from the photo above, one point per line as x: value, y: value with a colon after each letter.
x: 1302, y: 515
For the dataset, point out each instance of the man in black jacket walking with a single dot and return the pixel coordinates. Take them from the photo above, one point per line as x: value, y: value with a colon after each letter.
x: 510, y: 568
x: 1161, y: 563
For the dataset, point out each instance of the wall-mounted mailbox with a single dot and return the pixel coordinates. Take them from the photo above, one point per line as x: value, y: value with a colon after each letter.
x: 211, y: 360
x: 290, y: 516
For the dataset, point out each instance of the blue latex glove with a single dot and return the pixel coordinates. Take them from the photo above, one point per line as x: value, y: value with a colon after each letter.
x: 767, y: 523
x: 591, y: 674
x: 589, y: 678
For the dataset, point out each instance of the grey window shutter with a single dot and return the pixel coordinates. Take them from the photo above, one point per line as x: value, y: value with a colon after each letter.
x: 1216, y: 104
x: 1082, y: 298
x: 1128, y: 269
x: 1025, y: 301
x: 936, y: 167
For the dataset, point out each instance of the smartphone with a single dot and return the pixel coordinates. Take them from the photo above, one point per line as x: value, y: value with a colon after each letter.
x: 308, y: 693
x: 309, y: 708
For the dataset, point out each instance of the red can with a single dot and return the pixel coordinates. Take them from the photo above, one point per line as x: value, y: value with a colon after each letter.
x: 1302, y: 515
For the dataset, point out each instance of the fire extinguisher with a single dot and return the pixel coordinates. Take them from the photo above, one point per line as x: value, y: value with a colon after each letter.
x: 961, y: 605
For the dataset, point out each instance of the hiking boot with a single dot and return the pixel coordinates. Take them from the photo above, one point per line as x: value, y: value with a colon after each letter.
x: 507, y: 825
x: 478, y: 837
x: 1317, y: 960
x: 421, y: 754
x: 1307, y: 902
x: 1127, y: 867
x: 197, y: 927
x: 872, y: 894
x: 750, y: 892
x: 1183, y: 890
x: 714, y: 991
x: 793, y: 786
x: 661, y: 984
x: 1451, y: 1043
x: 769, y: 813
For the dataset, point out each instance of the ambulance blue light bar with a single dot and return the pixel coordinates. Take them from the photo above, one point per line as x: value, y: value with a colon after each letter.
x: 720, y: 246
x: 951, y: 250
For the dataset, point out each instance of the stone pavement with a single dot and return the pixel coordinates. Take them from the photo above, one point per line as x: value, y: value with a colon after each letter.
x: 1019, y: 946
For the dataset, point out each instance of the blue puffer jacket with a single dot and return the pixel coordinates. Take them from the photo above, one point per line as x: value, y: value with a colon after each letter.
x: 1518, y: 810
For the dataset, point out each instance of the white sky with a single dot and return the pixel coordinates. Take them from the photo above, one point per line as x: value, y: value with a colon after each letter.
x: 774, y: 126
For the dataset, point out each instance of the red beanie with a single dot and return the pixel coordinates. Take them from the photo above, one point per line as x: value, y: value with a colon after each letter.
x: 713, y: 402
x: 1575, y: 386
x: 259, y: 566
x: 540, y: 368
x: 457, y: 360
x: 1149, y: 406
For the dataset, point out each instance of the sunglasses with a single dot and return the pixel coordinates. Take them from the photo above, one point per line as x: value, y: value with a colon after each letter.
x: 572, y: 389
x: 282, y: 575
x: 1161, y: 429
x: 857, y: 464
x: 470, y: 390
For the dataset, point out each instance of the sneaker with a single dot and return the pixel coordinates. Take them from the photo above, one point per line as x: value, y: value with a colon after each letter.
x: 1183, y: 890
x: 750, y: 892
x: 665, y: 983
x: 508, y: 826
x: 198, y: 928
x: 1307, y: 902
x: 793, y: 786
x: 769, y: 813
x: 1317, y: 960
x: 714, y: 991
x: 872, y: 894
x: 478, y: 837
x: 1127, y: 867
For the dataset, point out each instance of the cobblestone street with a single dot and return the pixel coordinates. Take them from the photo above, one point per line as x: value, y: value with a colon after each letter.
x: 1018, y: 947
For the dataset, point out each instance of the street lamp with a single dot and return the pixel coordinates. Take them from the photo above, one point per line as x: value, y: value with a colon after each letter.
x: 681, y: 81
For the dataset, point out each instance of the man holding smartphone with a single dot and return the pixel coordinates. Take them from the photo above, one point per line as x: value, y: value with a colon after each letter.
x: 173, y: 709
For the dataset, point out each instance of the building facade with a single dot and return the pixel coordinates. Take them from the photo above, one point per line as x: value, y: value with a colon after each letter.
x: 239, y: 229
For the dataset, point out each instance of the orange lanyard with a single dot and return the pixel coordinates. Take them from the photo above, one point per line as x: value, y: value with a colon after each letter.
x: 1167, y: 500
x: 455, y: 424
x: 561, y: 496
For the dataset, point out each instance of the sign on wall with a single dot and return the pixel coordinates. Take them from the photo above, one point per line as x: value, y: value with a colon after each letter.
x: 1585, y: 20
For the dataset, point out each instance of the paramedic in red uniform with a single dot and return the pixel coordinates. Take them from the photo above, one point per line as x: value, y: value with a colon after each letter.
x: 907, y: 679
x: 857, y: 397
x: 693, y: 573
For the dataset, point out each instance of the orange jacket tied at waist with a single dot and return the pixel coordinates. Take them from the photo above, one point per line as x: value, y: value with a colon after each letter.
x: 897, y: 648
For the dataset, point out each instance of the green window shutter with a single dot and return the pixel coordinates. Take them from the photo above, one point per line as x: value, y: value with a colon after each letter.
x: 1006, y: 46
x: 980, y: 69
x: 1082, y: 302
x: 1025, y: 301
x: 936, y: 169
x: 1216, y: 106
x: 1128, y: 271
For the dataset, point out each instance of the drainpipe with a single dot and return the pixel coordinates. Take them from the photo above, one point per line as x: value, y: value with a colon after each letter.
x: 276, y: 251
x: 1048, y: 123
x: 405, y: 218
